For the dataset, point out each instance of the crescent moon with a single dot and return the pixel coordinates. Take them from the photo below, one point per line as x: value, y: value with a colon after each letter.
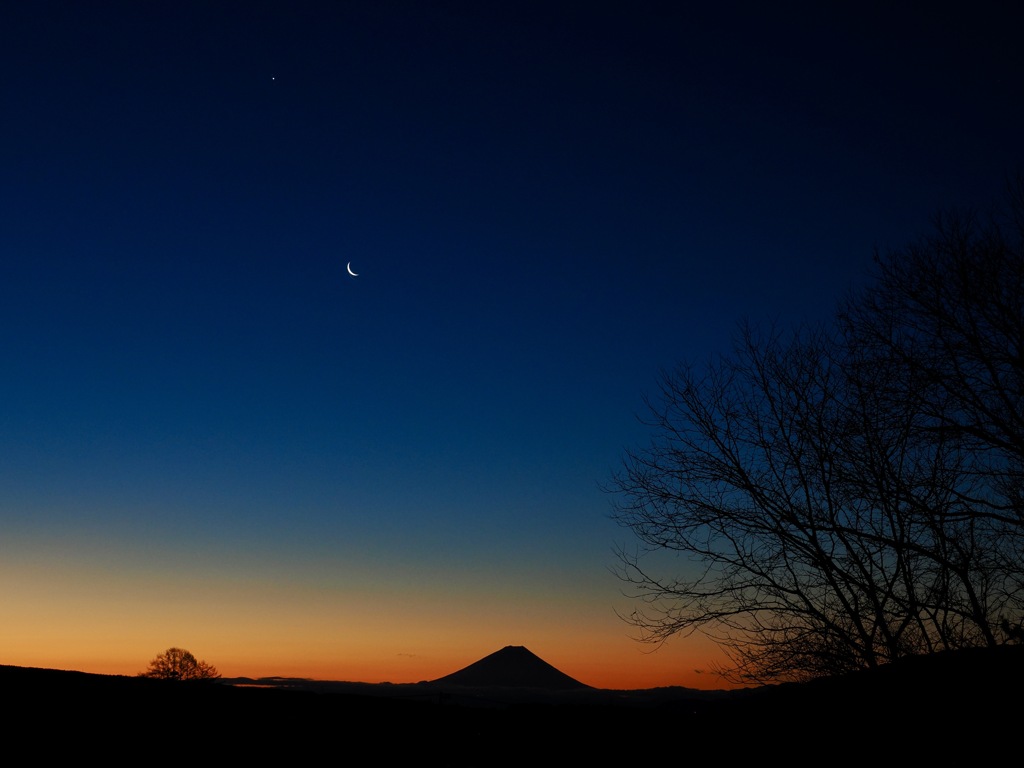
x: 349, y: 268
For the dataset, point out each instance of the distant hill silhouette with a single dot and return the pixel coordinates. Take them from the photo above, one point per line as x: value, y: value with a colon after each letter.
x: 512, y: 667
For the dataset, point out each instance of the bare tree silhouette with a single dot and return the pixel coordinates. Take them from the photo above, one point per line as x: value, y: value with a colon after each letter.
x: 847, y: 495
x: 179, y: 664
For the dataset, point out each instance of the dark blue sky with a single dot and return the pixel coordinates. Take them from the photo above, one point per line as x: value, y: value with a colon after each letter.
x: 546, y: 203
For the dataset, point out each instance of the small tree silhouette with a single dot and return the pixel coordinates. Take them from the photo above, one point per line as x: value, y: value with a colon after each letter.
x: 179, y: 664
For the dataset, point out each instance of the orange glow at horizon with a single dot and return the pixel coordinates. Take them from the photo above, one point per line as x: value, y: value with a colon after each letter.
x: 619, y: 669
x: 104, y: 613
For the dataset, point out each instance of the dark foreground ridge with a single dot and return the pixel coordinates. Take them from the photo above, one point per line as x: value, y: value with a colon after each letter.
x: 924, y: 708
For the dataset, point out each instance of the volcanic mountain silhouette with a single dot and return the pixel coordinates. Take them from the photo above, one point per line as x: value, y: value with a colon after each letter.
x: 512, y: 667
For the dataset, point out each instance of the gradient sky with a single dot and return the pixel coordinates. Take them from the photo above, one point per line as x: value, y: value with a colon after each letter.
x: 212, y: 437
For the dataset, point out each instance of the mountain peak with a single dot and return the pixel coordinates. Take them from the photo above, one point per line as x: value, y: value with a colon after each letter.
x: 514, y: 666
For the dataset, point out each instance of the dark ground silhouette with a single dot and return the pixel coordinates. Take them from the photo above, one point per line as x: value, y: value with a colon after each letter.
x: 964, y: 703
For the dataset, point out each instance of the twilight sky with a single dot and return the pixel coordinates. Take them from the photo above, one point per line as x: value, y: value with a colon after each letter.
x: 211, y: 436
